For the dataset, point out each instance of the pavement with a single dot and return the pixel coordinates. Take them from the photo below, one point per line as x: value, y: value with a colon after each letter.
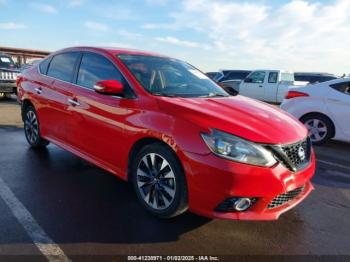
x: 55, y: 205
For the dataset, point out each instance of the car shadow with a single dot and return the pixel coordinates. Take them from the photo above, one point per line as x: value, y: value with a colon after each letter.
x: 9, y: 100
x: 82, y: 203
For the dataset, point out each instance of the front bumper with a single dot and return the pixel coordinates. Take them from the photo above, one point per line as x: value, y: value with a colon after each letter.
x: 8, y: 87
x: 211, y: 180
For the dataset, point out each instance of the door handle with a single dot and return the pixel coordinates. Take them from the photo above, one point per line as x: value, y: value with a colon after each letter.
x: 38, y: 90
x: 260, y: 86
x: 333, y: 100
x: 73, y: 102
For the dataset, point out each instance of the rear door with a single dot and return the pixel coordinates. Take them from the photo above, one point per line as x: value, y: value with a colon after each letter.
x: 96, y: 122
x: 338, y: 103
x: 61, y: 71
x: 271, y: 86
x: 40, y: 89
x: 253, y: 85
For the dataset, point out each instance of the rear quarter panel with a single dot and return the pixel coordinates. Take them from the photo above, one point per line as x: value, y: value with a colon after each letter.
x: 314, y: 103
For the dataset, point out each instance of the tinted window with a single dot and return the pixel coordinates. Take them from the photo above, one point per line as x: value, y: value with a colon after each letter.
x: 44, y: 65
x: 212, y: 75
x: 312, y: 79
x: 327, y: 78
x: 273, y: 77
x: 258, y: 77
x: 94, y: 68
x: 235, y: 75
x: 62, y: 66
x: 6, y: 62
x: 342, y: 87
x: 301, y: 78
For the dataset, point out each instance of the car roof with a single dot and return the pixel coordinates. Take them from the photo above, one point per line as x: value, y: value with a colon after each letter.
x: 275, y: 70
x: 338, y: 80
x: 314, y: 74
x: 111, y: 50
x: 234, y: 70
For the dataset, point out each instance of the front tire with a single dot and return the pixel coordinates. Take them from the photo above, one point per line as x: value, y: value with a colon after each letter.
x: 159, y: 181
x: 320, y: 127
x: 32, y: 128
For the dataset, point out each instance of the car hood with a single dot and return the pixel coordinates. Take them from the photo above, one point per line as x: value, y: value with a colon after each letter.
x: 241, y: 116
x: 13, y: 70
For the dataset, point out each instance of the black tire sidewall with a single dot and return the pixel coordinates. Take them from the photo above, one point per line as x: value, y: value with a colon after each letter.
x: 179, y: 204
x: 39, y: 141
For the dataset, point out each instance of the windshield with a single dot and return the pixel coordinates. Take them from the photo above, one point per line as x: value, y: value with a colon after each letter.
x: 170, y: 77
x: 6, y: 62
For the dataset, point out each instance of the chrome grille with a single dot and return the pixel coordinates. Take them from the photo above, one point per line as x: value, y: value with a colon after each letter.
x: 8, y: 76
x: 284, y: 198
x: 294, y: 156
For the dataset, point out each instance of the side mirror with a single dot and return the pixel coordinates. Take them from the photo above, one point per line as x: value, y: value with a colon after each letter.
x: 109, y: 87
x: 248, y: 80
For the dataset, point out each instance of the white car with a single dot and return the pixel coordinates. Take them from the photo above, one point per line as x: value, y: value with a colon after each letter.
x: 324, y: 108
x: 267, y: 85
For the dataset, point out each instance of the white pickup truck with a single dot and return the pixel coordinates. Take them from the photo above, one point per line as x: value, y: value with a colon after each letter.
x: 267, y: 85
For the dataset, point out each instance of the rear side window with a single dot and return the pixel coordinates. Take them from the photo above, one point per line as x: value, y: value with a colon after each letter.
x: 273, y: 76
x: 94, y: 68
x: 62, y: 66
x: 44, y: 65
x: 343, y: 87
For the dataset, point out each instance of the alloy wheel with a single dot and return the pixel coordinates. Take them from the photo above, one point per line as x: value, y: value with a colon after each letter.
x: 317, y: 128
x: 156, y: 181
x: 31, y: 127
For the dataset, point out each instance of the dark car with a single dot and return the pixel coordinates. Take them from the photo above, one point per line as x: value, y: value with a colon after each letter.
x: 230, y: 80
x: 213, y: 75
x: 8, y: 75
x: 233, y: 75
x: 313, y: 78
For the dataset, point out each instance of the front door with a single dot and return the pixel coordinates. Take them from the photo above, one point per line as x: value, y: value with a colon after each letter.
x: 95, y: 125
x: 253, y: 85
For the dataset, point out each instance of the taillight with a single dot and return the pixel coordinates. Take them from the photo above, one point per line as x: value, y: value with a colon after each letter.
x: 293, y: 94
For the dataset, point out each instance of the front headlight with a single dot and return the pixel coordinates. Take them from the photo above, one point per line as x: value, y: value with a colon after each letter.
x: 238, y: 149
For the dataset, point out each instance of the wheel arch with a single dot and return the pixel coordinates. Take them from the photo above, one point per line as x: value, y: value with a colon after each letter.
x: 25, y: 104
x: 142, y: 142
x: 321, y: 114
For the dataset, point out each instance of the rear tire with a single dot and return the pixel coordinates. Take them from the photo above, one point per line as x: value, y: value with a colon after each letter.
x: 159, y: 181
x: 32, y: 128
x: 320, y: 127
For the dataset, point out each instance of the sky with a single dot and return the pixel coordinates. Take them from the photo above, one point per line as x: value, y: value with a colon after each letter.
x: 298, y: 35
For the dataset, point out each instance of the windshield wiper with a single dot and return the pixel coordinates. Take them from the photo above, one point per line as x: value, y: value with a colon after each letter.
x: 214, y: 95
x: 163, y: 94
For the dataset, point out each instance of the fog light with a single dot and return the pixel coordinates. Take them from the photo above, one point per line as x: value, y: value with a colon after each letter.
x: 236, y: 204
x: 242, y: 204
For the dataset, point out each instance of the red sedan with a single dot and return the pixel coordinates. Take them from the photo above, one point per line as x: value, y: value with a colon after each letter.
x: 161, y: 124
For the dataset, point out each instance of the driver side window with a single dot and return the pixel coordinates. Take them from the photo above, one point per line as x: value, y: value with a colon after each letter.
x: 94, y: 68
x: 257, y: 77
